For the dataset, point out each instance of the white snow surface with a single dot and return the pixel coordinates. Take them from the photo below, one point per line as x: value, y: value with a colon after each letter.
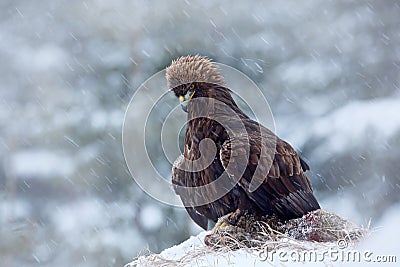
x: 379, y: 245
x: 185, y: 254
x: 193, y: 252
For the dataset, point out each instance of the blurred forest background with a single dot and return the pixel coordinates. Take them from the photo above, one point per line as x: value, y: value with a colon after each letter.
x: 329, y: 69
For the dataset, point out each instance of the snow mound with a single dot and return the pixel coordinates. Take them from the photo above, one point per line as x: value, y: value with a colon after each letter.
x: 311, y: 238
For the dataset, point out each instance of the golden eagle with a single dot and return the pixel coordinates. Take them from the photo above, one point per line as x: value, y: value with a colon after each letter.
x: 282, y: 188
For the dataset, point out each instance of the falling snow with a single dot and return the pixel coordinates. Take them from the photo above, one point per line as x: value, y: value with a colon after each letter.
x: 329, y: 71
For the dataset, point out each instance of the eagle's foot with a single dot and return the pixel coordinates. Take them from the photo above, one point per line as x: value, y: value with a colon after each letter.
x: 230, y: 219
x: 222, y: 222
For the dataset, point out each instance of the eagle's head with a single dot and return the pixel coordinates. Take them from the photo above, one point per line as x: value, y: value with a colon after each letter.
x: 189, y: 77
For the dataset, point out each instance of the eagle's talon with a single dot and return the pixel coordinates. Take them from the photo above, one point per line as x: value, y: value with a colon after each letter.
x: 222, y: 222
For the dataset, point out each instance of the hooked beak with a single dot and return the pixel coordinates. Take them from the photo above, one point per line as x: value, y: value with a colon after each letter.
x: 184, y: 101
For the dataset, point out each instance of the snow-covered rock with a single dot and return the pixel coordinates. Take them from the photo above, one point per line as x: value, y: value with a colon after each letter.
x: 193, y: 252
x: 269, y: 242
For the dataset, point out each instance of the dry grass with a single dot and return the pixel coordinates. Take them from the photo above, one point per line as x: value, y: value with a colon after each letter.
x: 317, y: 230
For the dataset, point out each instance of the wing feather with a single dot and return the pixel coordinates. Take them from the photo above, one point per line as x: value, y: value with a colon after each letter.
x: 199, y: 219
x: 285, y: 189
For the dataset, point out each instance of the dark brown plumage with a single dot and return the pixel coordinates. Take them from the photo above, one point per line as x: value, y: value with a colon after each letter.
x: 284, y: 189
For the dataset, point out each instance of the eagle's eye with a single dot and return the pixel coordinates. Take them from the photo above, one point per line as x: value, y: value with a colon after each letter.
x: 191, y: 86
